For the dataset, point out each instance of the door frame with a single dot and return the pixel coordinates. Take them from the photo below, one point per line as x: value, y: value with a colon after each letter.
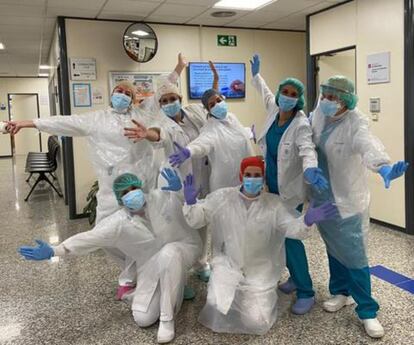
x: 313, y: 70
x: 38, y: 112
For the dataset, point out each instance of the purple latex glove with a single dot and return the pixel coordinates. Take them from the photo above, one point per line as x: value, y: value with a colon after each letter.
x: 179, y: 156
x: 190, y: 192
x: 318, y: 214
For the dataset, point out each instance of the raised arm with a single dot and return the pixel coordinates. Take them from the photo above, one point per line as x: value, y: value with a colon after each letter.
x: 215, y: 85
x: 260, y: 85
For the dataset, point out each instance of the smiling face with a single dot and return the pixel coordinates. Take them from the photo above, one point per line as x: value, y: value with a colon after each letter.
x: 169, y: 98
x: 129, y: 189
x: 213, y: 100
x: 289, y: 91
x: 253, y: 171
x: 123, y: 89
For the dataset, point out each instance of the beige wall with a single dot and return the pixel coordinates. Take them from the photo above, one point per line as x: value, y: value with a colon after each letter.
x: 22, y: 85
x: 283, y: 54
x: 336, y: 28
x: 373, y: 26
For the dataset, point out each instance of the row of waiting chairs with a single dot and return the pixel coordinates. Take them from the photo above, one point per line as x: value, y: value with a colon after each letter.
x: 42, y: 163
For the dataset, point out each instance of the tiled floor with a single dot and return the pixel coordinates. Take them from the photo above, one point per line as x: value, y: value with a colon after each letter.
x: 72, y: 301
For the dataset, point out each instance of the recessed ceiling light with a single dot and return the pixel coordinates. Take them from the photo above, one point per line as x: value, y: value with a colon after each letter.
x: 140, y: 33
x: 247, y: 5
x: 2, y: 46
x: 45, y: 67
x: 223, y: 14
x: 43, y: 74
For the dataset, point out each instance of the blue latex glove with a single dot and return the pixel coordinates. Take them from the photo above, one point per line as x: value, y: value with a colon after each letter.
x: 174, y: 182
x: 179, y: 156
x: 389, y: 173
x: 190, y: 192
x: 42, y: 252
x: 314, y: 176
x: 318, y: 214
x: 255, y: 64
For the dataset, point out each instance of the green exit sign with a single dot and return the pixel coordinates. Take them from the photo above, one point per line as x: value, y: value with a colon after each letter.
x: 227, y: 41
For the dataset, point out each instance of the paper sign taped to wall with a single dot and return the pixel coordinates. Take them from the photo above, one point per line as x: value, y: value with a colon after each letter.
x: 378, y: 68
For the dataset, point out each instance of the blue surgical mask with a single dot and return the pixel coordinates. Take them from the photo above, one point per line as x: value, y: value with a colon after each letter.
x: 287, y: 103
x: 134, y: 200
x: 329, y: 108
x: 172, y: 109
x: 252, y: 185
x: 120, y: 102
x: 219, y: 111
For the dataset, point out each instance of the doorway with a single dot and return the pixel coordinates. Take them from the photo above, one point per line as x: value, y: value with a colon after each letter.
x: 25, y: 106
x: 328, y: 64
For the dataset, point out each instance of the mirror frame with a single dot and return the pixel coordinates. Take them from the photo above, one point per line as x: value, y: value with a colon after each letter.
x: 156, y: 41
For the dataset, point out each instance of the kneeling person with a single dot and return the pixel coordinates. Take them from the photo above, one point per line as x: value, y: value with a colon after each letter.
x: 249, y: 227
x: 150, y: 230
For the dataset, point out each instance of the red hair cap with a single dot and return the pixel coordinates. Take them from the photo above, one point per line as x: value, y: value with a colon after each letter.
x: 255, y: 161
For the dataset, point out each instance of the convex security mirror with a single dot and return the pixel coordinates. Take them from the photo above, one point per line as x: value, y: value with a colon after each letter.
x: 140, y: 42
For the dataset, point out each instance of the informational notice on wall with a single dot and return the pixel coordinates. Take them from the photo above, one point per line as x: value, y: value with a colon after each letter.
x: 82, y: 69
x: 378, y: 68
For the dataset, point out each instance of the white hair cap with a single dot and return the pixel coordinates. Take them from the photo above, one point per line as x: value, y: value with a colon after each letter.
x: 167, y: 88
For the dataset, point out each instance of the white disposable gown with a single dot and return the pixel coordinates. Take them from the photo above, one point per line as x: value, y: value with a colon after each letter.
x: 110, y: 152
x: 346, y: 150
x: 160, y: 243
x: 225, y: 143
x: 248, y: 257
x: 296, y: 151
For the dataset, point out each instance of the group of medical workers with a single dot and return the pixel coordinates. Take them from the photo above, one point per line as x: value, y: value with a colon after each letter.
x: 171, y: 174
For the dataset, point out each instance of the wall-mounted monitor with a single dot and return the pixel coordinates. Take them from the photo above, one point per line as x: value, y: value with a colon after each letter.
x: 232, y: 79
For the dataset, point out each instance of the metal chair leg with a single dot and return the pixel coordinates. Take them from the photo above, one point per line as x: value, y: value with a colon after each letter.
x: 30, y: 176
x: 48, y: 181
x: 40, y: 178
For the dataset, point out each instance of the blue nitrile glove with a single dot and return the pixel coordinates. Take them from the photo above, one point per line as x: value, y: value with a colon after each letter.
x: 318, y: 214
x: 174, y: 182
x: 389, y: 173
x: 190, y: 192
x: 314, y: 176
x: 179, y: 156
x: 255, y: 64
x: 42, y: 252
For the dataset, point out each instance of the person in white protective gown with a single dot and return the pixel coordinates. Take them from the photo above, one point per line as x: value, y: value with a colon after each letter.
x: 249, y: 228
x: 118, y: 138
x: 150, y: 229
x: 291, y: 164
x: 222, y: 139
x: 346, y: 150
x: 182, y: 125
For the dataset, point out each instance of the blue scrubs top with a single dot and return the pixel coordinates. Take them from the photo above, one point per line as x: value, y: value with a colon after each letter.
x: 273, y: 138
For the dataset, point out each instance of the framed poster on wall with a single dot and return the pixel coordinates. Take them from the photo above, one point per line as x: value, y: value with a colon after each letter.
x: 82, y: 95
x: 146, y: 83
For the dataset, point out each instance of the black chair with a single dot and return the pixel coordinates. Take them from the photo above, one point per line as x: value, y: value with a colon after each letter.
x: 44, y: 165
x: 42, y: 156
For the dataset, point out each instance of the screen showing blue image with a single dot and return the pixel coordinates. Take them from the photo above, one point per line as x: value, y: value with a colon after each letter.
x: 232, y: 79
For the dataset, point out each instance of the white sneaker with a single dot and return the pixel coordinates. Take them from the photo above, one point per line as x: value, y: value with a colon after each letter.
x: 337, y: 302
x: 166, y: 332
x: 373, y: 328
